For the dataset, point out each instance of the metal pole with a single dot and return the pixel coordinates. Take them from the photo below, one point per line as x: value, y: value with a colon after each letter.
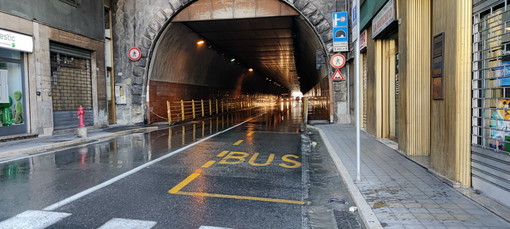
x: 358, y: 128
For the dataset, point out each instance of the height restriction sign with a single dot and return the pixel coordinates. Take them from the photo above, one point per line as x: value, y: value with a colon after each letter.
x: 337, y: 61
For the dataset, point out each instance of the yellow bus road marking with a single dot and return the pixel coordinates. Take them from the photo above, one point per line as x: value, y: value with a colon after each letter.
x: 222, y: 154
x: 241, y: 197
x: 238, y: 142
x: 183, y: 183
x: 208, y: 164
x: 251, y: 133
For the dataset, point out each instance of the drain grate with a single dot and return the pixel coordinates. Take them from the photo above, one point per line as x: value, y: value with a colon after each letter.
x: 345, y: 219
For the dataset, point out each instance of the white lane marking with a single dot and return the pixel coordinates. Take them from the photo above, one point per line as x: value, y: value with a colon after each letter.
x: 130, y: 172
x: 209, y: 227
x: 127, y: 224
x: 33, y: 220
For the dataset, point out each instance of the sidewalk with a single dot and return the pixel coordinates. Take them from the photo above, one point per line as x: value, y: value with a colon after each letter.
x: 18, y: 148
x: 396, y: 192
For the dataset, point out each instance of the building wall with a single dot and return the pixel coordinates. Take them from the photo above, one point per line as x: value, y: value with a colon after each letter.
x: 451, y: 118
x: 426, y: 127
x: 374, y: 102
x: 85, y: 19
x: 38, y: 71
x: 414, y: 98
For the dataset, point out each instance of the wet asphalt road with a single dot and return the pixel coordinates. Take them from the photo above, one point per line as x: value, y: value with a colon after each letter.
x: 247, y: 177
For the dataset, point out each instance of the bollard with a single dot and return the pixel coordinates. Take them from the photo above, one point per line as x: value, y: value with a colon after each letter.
x: 169, y: 112
x: 202, y: 105
x: 82, y: 129
x: 193, y: 108
x: 182, y: 111
x: 210, y: 107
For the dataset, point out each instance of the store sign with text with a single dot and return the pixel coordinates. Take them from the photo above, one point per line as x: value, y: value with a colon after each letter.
x: 16, y: 41
x: 363, y: 40
x: 384, y: 18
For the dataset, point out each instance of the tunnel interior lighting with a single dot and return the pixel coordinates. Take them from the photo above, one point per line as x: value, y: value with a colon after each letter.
x: 250, y: 69
x: 232, y: 60
x: 200, y: 42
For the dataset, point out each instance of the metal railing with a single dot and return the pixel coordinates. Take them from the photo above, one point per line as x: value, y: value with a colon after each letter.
x: 181, y: 111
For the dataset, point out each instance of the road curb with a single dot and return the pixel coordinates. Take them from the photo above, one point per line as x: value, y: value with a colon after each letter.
x: 20, y: 152
x: 367, y: 214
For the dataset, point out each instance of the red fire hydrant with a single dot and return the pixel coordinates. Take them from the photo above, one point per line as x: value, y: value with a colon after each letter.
x: 81, y: 117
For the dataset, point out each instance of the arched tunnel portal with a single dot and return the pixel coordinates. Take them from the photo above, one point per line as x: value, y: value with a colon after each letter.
x: 275, y: 38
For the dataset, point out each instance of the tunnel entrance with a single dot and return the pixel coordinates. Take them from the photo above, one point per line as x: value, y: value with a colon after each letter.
x: 217, y: 50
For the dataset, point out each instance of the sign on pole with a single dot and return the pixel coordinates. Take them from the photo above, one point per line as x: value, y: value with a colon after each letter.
x: 340, y: 31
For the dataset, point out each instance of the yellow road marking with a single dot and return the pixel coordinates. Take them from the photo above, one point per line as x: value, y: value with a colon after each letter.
x: 222, y: 154
x: 251, y: 133
x: 199, y: 171
x: 208, y: 164
x: 183, y: 183
x: 241, y: 197
x: 238, y: 142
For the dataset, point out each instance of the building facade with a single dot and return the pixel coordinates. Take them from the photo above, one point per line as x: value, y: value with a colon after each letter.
x: 434, y: 81
x: 51, y: 62
x: 491, y: 96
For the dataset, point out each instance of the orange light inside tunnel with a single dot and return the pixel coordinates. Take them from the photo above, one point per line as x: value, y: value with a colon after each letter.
x: 250, y: 69
x: 200, y: 42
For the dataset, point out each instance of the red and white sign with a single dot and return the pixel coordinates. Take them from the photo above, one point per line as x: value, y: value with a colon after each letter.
x: 337, y: 76
x: 134, y: 54
x: 363, y: 40
x: 337, y: 61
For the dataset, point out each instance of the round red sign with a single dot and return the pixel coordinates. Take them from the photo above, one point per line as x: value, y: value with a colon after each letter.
x: 134, y: 54
x: 337, y: 61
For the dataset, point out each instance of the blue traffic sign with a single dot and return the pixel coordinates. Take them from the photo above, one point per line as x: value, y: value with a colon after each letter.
x: 340, y: 19
x: 340, y: 34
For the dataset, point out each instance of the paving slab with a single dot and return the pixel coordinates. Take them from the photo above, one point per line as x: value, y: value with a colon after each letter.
x: 398, y: 191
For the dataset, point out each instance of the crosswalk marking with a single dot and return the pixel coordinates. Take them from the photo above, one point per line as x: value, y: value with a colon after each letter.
x: 33, y: 220
x: 116, y: 223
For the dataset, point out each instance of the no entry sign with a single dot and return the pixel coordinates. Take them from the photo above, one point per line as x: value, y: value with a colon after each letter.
x: 337, y: 61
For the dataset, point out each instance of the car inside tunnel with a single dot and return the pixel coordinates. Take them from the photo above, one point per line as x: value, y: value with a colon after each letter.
x: 211, y: 50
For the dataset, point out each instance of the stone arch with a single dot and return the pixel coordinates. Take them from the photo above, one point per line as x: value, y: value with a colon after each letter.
x: 164, y: 15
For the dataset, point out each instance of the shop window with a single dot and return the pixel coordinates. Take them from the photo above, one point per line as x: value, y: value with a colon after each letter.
x: 12, y: 93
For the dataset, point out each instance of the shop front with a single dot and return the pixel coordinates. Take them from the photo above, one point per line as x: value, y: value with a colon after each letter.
x: 380, y: 73
x: 491, y: 100
x: 13, y: 115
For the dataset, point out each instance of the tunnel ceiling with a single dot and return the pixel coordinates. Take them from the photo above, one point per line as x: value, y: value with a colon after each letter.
x: 265, y: 44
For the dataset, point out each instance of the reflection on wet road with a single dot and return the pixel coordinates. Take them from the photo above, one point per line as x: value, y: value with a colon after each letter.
x: 260, y: 163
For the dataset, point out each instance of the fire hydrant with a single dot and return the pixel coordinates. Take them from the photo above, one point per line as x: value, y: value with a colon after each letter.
x: 81, y: 117
x: 82, y: 130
